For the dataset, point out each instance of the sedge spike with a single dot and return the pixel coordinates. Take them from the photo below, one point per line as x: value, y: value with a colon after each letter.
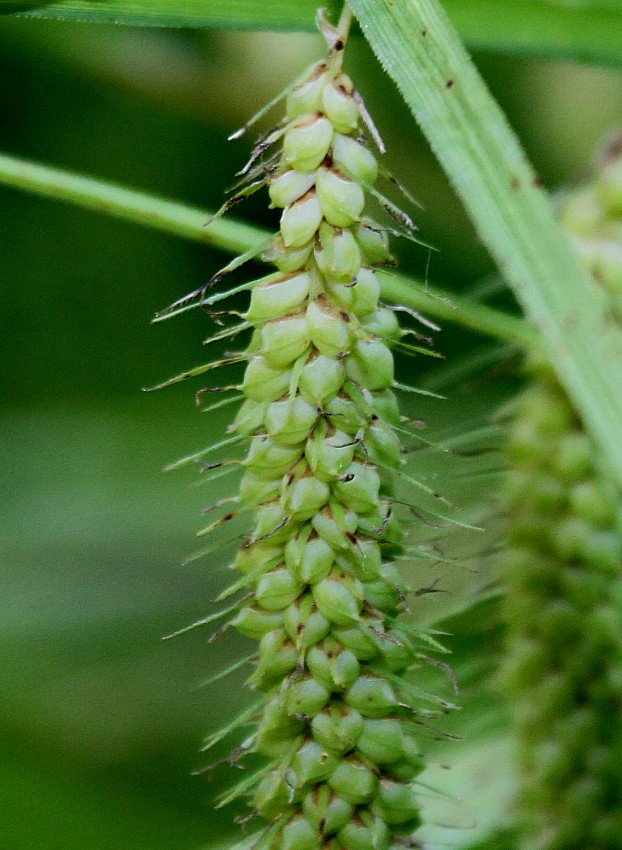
x: 563, y: 673
x: 339, y: 726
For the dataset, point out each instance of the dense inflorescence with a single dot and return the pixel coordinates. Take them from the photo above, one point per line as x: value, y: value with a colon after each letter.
x: 337, y: 721
x: 593, y: 217
x: 563, y: 606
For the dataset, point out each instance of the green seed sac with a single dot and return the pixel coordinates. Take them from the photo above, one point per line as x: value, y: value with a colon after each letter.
x: 319, y: 413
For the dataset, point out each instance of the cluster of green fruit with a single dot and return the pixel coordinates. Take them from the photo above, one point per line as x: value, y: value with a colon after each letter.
x: 340, y: 725
x: 563, y: 608
x: 593, y: 216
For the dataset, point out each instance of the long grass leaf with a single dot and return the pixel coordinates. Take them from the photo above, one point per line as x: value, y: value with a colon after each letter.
x: 234, y: 236
x: 490, y: 172
x: 585, y: 31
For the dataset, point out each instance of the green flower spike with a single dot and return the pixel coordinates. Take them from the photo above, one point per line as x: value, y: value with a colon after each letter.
x: 563, y: 608
x: 593, y: 216
x: 320, y: 592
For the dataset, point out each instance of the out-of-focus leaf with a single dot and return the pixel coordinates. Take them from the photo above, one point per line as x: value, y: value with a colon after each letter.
x: 582, y: 30
x: 241, y: 14
x: 586, y: 30
x: 44, y: 807
x: 481, y: 785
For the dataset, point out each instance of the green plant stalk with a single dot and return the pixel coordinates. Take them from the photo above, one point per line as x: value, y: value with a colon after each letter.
x: 236, y: 237
x: 128, y: 204
x: 340, y: 723
x: 513, y: 216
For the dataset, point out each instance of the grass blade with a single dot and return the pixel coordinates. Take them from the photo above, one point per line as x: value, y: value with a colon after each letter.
x: 236, y: 237
x: 587, y: 31
x: 514, y: 218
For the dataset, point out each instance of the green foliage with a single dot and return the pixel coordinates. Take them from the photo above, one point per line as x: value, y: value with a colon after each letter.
x: 585, y: 31
x: 483, y: 159
x: 563, y: 595
x: 341, y: 723
x: 562, y: 669
x: 88, y: 545
x: 230, y: 235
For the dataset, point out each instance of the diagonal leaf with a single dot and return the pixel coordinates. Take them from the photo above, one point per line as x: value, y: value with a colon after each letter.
x: 239, y: 14
x: 584, y: 30
x: 236, y: 237
x: 499, y: 189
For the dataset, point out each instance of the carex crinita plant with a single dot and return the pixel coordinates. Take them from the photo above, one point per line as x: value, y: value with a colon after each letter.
x: 339, y: 725
x: 563, y: 607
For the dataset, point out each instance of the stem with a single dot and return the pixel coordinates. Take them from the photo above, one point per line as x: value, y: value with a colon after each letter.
x: 236, y: 237
x: 345, y: 21
x: 458, y: 310
x: 138, y: 207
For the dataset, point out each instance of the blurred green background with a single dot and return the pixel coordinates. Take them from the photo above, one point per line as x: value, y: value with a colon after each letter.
x: 100, y: 720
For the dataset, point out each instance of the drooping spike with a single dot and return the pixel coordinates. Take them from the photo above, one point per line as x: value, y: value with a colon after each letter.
x: 338, y: 722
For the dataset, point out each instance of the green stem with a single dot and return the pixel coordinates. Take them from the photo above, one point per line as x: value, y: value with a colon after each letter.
x: 236, y: 237
x: 138, y: 207
x: 345, y: 21
x: 458, y: 310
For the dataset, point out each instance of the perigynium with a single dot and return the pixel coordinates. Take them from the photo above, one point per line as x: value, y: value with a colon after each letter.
x: 563, y: 674
x: 339, y: 725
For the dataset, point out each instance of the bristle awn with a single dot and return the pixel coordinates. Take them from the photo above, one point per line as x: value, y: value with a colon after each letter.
x: 198, y: 370
x: 338, y: 726
x: 424, y: 443
x: 563, y: 576
x: 412, y: 332
x: 211, y: 550
x: 242, y: 788
x: 218, y: 404
x: 396, y: 213
x: 369, y: 123
x: 219, y: 522
x: 182, y: 305
x: 411, y: 691
x: 425, y: 289
x: 406, y: 388
x: 399, y: 308
x: 228, y: 333
x: 442, y: 665
x: 237, y: 262
x: 400, y: 473
x: 227, y: 671
x: 384, y: 172
x: 204, y: 621
x: 241, y: 194
x: 240, y: 261
x: 221, y: 473
x: 230, y: 441
x: 243, y: 718
x: 245, y: 580
x: 413, y: 350
x: 263, y: 167
x: 262, y: 146
x: 261, y: 112
x: 219, y: 503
